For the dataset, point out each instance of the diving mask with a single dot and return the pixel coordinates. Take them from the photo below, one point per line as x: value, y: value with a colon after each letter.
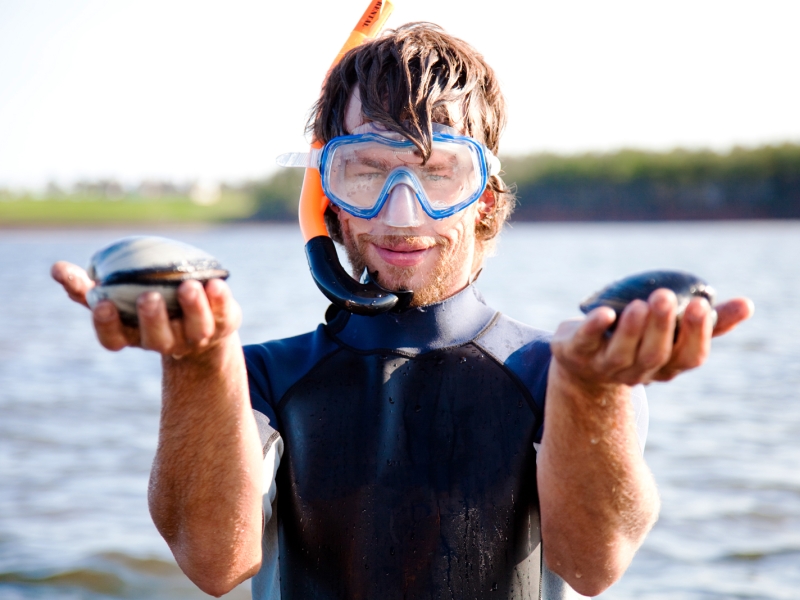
x: 359, y: 171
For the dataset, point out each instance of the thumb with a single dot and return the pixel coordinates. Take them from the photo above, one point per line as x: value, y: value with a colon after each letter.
x: 590, y: 335
x: 73, y: 279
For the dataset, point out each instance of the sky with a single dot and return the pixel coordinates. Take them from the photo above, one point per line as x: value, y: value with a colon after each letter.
x: 187, y: 90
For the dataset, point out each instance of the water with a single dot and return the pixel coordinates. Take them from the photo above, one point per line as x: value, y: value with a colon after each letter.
x: 78, y: 424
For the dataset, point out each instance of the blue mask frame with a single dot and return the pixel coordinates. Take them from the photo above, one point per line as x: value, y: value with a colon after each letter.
x: 489, y: 165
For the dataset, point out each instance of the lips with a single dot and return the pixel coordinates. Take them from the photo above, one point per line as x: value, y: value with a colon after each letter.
x: 403, y: 255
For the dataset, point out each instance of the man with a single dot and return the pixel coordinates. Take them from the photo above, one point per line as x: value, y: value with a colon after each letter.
x: 439, y: 451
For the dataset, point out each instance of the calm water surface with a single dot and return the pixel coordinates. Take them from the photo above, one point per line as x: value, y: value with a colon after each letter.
x: 78, y: 425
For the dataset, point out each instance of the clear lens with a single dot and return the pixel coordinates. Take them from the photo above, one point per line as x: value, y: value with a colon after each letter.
x: 356, y: 172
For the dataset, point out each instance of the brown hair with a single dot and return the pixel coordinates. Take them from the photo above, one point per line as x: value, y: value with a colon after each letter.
x: 408, y: 79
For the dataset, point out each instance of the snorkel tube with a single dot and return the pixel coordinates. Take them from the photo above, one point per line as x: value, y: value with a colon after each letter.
x: 339, y: 287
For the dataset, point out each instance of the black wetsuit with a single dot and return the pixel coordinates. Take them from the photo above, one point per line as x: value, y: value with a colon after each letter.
x: 408, y: 468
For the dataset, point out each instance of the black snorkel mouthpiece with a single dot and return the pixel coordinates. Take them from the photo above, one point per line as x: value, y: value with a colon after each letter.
x: 368, y: 298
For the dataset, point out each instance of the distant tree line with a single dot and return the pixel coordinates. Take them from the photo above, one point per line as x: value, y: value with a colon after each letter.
x: 276, y: 198
x: 744, y: 183
x: 635, y: 185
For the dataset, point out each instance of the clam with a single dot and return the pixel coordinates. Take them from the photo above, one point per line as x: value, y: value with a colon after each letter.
x: 621, y: 293
x: 134, y: 265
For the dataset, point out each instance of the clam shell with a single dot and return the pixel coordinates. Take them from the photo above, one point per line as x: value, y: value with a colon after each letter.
x: 131, y: 266
x: 621, y: 293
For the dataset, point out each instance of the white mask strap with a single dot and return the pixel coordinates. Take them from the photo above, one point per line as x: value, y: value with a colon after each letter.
x: 306, y: 160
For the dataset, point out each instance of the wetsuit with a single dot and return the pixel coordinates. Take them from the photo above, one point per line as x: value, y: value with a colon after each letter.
x: 406, y: 451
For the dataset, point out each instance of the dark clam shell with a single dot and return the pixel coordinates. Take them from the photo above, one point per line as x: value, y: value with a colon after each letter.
x: 131, y: 266
x: 621, y: 293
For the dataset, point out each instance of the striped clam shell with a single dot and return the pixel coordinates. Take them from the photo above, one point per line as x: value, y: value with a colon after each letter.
x: 133, y: 265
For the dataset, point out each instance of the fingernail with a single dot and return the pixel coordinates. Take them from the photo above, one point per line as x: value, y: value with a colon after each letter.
x: 189, y: 292
x: 104, y: 312
x: 661, y: 307
x: 148, y: 303
x: 697, y: 316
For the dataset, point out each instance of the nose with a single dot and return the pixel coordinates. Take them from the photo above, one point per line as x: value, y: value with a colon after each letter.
x: 402, y: 209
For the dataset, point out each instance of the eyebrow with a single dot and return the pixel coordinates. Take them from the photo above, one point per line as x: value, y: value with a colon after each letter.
x: 437, y: 161
x: 371, y: 162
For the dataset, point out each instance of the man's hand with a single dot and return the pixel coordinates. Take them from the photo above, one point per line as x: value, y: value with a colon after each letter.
x: 641, y: 349
x: 210, y: 314
x: 206, y: 481
x: 597, y: 496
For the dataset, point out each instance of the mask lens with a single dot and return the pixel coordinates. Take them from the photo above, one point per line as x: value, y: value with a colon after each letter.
x: 451, y: 175
x: 357, y: 172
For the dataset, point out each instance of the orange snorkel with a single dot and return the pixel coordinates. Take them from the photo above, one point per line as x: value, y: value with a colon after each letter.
x: 329, y: 275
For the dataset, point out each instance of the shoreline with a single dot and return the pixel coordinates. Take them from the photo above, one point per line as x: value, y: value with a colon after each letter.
x: 257, y: 224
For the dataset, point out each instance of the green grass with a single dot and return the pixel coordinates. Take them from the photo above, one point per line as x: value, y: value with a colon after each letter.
x: 89, y: 210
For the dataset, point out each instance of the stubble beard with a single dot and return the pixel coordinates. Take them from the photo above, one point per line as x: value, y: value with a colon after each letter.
x: 438, y: 285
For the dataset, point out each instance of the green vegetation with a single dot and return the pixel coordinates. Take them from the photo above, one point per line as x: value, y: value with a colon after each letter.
x: 276, y: 198
x: 759, y: 183
x: 676, y: 166
x: 95, y: 209
x: 629, y: 184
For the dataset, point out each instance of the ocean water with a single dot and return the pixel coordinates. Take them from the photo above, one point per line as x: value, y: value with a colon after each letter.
x: 78, y: 424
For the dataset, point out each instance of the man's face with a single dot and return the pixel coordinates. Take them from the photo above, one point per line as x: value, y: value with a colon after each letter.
x: 433, y: 258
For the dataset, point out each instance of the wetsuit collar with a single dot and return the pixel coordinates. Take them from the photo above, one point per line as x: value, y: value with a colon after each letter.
x: 451, y: 322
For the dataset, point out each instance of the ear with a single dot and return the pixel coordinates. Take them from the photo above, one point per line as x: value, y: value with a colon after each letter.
x: 485, y: 204
x: 340, y: 214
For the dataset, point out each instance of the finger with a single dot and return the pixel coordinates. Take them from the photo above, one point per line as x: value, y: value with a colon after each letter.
x: 731, y: 313
x: 226, y: 311
x: 180, y: 347
x: 621, y: 350
x: 655, y: 347
x: 588, y: 335
x: 694, y: 340
x: 111, y: 333
x: 74, y: 279
x: 154, y: 327
x: 198, y: 320
x: 562, y: 341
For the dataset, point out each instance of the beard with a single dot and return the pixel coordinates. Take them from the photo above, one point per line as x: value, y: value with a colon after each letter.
x: 434, y: 287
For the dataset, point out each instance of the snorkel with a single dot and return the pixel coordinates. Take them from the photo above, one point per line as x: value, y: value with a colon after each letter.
x: 367, y: 298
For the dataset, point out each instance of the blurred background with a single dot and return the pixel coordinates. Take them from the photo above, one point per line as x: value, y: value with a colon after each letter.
x: 640, y: 135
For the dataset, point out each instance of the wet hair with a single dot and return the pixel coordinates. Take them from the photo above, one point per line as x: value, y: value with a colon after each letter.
x: 408, y: 79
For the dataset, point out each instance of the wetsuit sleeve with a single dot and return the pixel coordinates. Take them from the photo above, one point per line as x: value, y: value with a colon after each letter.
x: 272, y: 451
x: 272, y: 368
x: 259, y: 384
x: 266, y: 421
x: 525, y: 355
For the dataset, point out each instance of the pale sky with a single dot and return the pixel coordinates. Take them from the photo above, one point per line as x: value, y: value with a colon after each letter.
x: 187, y: 89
